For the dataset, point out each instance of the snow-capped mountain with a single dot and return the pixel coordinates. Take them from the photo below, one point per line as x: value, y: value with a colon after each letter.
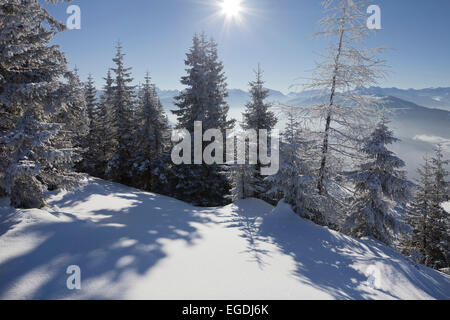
x: 435, y: 98
x: 438, y: 98
x: 419, y: 127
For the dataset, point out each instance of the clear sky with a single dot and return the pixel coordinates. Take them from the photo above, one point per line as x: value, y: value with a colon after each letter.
x: 276, y: 33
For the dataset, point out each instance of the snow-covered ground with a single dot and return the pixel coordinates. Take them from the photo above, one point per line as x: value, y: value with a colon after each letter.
x: 135, y: 245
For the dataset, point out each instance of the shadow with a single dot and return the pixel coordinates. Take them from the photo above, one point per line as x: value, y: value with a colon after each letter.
x: 122, y: 233
x: 107, y: 245
x: 7, y: 216
x: 246, y: 216
x: 322, y: 258
x: 326, y: 260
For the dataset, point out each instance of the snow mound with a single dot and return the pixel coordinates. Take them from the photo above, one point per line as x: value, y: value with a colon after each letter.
x: 131, y: 244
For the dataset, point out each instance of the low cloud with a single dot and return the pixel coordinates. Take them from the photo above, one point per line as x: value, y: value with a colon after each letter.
x: 434, y: 140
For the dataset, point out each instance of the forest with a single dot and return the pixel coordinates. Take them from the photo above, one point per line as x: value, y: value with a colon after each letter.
x: 336, y: 167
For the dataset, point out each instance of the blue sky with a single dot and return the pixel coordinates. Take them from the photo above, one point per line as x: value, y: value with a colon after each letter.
x: 276, y: 33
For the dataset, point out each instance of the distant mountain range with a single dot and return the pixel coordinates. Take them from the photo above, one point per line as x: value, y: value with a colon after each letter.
x: 421, y: 118
x: 431, y: 116
x: 436, y: 98
x: 433, y: 98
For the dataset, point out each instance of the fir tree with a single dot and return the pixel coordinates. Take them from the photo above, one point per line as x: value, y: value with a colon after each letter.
x: 123, y: 106
x: 428, y: 242
x: 217, y: 107
x: 294, y: 181
x: 191, y: 102
x: 152, y: 141
x: 416, y: 244
x: 72, y: 117
x: 242, y: 181
x: 94, y: 137
x: 202, y: 100
x: 439, y: 219
x: 257, y: 116
x: 75, y: 115
x: 441, y: 185
x: 106, y: 128
x: 377, y: 180
x: 37, y: 152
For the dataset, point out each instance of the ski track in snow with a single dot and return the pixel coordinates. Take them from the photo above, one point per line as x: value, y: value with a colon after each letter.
x: 135, y: 245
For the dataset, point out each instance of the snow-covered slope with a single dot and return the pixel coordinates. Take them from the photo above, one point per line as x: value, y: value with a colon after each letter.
x: 135, y: 245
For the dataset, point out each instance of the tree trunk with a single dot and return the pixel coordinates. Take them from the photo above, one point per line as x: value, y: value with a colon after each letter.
x: 325, y: 146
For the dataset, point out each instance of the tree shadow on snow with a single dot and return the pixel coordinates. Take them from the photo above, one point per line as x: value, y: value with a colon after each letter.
x: 324, y: 260
x: 327, y: 260
x: 7, y: 216
x: 120, y: 242
x: 246, y: 216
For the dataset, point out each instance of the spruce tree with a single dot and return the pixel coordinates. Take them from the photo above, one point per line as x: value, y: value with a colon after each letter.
x: 191, y: 102
x: 75, y: 115
x: 152, y: 141
x: 428, y: 242
x: 106, y: 128
x: 202, y: 100
x: 217, y: 107
x: 37, y: 151
x: 377, y: 180
x: 73, y: 119
x: 257, y: 116
x: 439, y: 219
x: 123, y: 108
x: 441, y: 184
x: 294, y: 181
x: 416, y: 244
x: 242, y: 181
x: 93, y: 140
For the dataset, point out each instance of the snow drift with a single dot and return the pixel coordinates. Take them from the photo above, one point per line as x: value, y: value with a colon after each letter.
x: 135, y: 245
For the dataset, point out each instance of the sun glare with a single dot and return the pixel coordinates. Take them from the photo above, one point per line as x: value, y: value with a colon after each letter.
x: 231, y: 8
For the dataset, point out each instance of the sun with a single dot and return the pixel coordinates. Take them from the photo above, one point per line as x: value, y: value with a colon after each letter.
x: 231, y: 8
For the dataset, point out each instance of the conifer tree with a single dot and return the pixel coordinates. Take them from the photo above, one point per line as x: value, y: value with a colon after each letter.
x: 152, y: 141
x: 217, y: 107
x: 93, y: 140
x: 123, y: 108
x: 37, y: 152
x: 106, y: 128
x: 294, y: 181
x: 203, y: 100
x: 439, y: 219
x: 416, y: 244
x: 428, y: 242
x: 75, y: 116
x: 441, y: 184
x: 377, y: 180
x: 257, y: 116
x: 73, y: 120
x: 191, y: 102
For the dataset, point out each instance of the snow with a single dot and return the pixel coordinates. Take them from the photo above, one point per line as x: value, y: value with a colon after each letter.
x: 446, y: 206
x: 135, y: 245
